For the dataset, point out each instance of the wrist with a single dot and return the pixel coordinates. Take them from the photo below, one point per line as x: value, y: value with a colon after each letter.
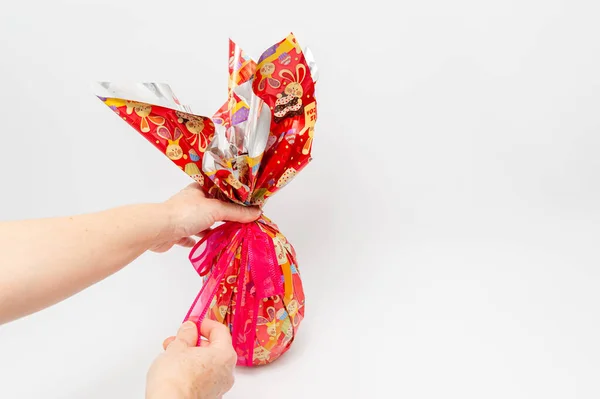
x: 166, y: 215
x: 152, y: 223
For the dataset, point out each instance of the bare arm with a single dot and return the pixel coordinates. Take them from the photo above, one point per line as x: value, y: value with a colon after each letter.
x: 45, y: 261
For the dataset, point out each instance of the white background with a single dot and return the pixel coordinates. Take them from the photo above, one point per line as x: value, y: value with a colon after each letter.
x: 447, y: 230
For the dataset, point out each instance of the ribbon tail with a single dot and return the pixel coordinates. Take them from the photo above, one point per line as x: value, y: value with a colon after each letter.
x: 259, y: 256
x: 250, y: 358
x: 202, y: 303
x: 266, y: 272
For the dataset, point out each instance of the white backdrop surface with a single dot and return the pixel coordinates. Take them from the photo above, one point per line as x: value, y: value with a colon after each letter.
x: 447, y: 229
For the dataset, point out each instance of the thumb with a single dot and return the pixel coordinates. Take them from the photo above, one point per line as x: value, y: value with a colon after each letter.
x: 187, y: 337
x: 228, y: 212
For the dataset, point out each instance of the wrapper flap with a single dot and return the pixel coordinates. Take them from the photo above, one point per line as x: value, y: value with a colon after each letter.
x: 150, y: 93
x: 294, y: 115
x: 181, y: 136
x: 255, y: 143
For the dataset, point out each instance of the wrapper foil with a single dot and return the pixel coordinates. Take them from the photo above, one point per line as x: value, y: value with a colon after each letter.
x: 254, y: 145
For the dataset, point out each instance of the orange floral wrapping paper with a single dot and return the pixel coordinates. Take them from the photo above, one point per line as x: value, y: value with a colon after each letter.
x: 252, y: 147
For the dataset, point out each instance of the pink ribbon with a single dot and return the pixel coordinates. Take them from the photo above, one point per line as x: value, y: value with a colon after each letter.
x: 259, y: 276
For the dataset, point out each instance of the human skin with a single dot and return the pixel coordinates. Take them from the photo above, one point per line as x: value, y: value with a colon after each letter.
x: 45, y: 261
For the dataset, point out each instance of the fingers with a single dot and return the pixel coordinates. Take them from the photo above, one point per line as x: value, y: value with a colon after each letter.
x: 219, y: 339
x: 224, y: 211
x: 217, y: 334
x: 187, y: 337
x: 201, y: 234
x: 164, y: 247
x: 168, y: 341
x: 188, y: 333
x: 187, y: 242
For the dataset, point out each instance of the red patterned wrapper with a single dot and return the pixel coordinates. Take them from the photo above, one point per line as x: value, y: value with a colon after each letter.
x: 252, y: 146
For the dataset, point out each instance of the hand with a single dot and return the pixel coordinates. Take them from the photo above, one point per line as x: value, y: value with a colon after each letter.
x: 185, y: 371
x: 191, y: 213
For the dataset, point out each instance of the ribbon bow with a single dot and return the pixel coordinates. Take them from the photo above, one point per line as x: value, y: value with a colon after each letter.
x: 214, y: 254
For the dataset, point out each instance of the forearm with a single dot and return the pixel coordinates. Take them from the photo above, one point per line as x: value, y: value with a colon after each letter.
x: 45, y: 261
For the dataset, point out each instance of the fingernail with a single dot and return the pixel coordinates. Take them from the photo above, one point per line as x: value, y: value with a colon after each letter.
x: 188, y: 325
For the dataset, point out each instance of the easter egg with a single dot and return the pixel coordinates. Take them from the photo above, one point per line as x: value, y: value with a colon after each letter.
x: 285, y: 59
x: 291, y: 138
x: 194, y: 155
x: 240, y: 116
